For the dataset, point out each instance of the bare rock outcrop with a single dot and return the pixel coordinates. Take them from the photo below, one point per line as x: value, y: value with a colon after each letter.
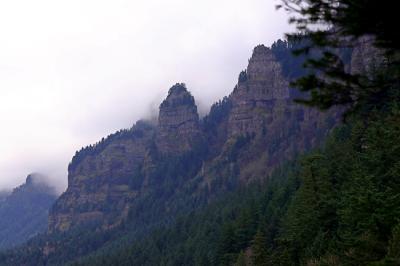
x: 263, y: 111
x: 365, y: 58
x: 105, y: 179
x: 100, y: 180
x: 260, y: 88
x: 178, y: 121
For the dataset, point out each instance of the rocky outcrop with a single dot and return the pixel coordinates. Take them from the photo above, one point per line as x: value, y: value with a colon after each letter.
x: 365, y: 57
x: 264, y: 76
x: 102, y: 180
x: 265, y: 126
x: 259, y: 90
x: 178, y: 121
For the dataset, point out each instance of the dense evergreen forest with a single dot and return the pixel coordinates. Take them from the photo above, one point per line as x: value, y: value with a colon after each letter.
x: 338, y: 205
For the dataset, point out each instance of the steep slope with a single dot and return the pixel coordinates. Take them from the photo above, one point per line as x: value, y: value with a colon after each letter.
x: 24, y: 212
x: 242, y: 139
x: 315, y: 210
x: 106, y: 181
x: 178, y: 122
x: 102, y: 180
x: 264, y: 126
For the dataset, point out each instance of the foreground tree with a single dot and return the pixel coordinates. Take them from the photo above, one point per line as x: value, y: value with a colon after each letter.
x: 331, y: 28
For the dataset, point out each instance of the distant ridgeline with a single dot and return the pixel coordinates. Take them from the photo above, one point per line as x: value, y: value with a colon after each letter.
x: 24, y: 211
x: 138, y: 180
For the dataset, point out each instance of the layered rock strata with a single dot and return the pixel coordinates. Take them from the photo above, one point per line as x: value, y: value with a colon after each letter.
x: 178, y: 121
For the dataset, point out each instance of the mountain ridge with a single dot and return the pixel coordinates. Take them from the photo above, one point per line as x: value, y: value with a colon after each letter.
x: 129, y: 165
x: 136, y: 181
x: 24, y: 210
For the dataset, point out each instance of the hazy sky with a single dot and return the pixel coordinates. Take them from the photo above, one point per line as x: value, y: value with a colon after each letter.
x: 74, y: 71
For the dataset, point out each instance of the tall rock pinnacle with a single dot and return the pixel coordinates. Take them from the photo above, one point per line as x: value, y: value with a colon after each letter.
x: 264, y: 76
x: 259, y: 88
x: 178, y: 121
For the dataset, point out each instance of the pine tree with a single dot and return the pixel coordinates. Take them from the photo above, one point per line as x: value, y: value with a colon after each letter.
x: 330, y: 28
x: 312, y: 212
x: 394, y: 246
x: 241, y: 260
x: 226, y: 245
x: 259, y: 249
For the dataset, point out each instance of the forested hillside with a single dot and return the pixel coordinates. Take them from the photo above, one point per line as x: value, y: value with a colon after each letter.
x: 338, y: 205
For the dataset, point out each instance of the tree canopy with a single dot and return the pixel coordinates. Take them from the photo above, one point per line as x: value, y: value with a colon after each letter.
x: 332, y: 26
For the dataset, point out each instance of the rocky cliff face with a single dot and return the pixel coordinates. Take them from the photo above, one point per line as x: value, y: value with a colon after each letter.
x: 263, y: 111
x: 155, y: 170
x: 24, y: 211
x: 365, y: 57
x: 101, y: 180
x: 260, y: 88
x: 178, y: 121
x: 104, y: 179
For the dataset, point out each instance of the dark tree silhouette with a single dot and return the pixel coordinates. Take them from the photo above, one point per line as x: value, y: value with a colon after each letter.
x: 330, y: 26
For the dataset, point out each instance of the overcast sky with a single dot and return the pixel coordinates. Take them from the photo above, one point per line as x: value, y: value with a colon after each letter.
x: 74, y: 71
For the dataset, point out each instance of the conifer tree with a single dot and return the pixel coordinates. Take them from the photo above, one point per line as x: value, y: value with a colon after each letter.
x: 259, y: 249
x: 331, y: 27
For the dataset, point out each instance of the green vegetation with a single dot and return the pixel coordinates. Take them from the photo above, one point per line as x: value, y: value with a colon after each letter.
x: 336, y: 206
